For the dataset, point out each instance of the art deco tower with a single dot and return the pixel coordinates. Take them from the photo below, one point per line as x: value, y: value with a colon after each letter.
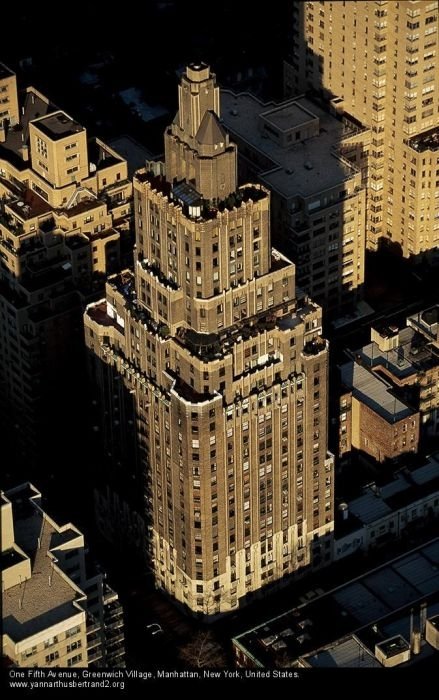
x: 378, y: 59
x: 225, y: 372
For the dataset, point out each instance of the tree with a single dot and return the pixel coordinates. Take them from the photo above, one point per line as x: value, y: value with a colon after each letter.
x: 203, y: 651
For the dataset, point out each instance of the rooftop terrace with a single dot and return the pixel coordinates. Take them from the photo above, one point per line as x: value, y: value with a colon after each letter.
x: 427, y: 141
x: 186, y: 197
x: 412, y: 355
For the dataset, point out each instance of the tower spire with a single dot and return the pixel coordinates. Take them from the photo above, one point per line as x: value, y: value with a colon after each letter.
x: 197, y: 148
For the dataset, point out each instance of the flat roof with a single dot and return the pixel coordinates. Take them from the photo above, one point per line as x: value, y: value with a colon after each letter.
x: 32, y: 106
x: 47, y: 598
x: 413, y: 354
x: 305, y: 168
x: 288, y: 116
x: 348, y: 653
x: 407, y: 486
x: 374, y: 392
x: 393, y: 646
x: 134, y: 153
x: 381, y: 598
x: 58, y: 125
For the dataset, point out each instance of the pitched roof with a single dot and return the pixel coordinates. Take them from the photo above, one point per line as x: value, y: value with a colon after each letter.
x: 210, y: 131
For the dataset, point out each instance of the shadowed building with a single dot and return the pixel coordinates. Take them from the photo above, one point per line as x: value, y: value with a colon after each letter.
x: 216, y: 358
x: 65, y: 209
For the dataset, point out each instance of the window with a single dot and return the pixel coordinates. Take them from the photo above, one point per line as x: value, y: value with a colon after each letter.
x: 73, y: 646
x: 41, y: 147
x: 29, y: 652
x: 74, y: 660
x: 50, y: 642
x: 52, y: 657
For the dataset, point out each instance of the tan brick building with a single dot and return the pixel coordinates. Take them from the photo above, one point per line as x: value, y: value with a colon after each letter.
x: 56, y: 611
x: 65, y: 211
x: 378, y: 61
x: 224, y: 371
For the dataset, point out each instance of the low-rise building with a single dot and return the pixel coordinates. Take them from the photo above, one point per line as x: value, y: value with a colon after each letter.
x: 387, y: 616
x: 373, y: 419
x: 408, y: 358
x: 57, y: 610
x: 390, y: 511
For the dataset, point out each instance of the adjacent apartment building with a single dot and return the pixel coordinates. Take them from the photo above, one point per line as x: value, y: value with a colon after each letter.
x: 374, y: 420
x: 222, y: 369
x: 296, y: 149
x: 405, y: 503
x: 378, y: 60
x: 65, y: 209
x: 56, y: 610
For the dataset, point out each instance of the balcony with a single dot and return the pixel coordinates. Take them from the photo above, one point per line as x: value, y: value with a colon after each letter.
x: 95, y: 656
x: 93, y: 641
x: 98, y: 313
x: 155, y: 270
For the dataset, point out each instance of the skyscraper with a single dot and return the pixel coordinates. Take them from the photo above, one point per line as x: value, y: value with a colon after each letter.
x: 378, y: 60
x: 220, y: 363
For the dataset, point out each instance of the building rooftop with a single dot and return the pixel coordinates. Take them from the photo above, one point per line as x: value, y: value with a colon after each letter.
x: 32, y: 106
x: 373, y: 391
x: 347, y: 653
x: 102, y: 156
x: 374, y: 607
x: 58, y: 125
x: 427, y: 323
x: 48, y: 597
x: 413, y: 354
x: 393, y: 646
x: 406, y: 487
x: 288, y: 115
x: 134, y: 153
x: 304, y: 168
x: 29, y: 205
